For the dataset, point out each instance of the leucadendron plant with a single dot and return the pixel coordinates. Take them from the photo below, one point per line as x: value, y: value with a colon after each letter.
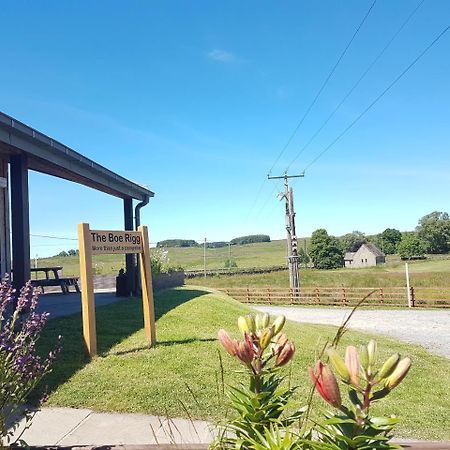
x: 353, y: 426
x: 21, y: 368
x: 260, y: 406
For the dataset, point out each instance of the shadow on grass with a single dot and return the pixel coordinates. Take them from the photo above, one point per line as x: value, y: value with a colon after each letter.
x: 115, y: 322
x: 162, y: 344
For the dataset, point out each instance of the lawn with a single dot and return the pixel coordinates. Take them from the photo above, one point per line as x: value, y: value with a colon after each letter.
x: 182, y: 373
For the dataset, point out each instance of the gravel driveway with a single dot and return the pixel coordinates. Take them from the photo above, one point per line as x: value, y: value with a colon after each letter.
x: 430, y: 329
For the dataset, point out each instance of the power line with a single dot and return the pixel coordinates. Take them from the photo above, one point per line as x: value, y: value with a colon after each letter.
x: 53, y: 237
x: 369, y: 68
x: 327, y: 79
x: 378, y: 97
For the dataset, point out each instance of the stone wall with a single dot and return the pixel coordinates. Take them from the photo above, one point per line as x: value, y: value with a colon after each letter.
x: 160, y: 281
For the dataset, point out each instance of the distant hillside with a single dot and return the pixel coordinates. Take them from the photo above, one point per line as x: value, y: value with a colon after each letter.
x: 177, y: 243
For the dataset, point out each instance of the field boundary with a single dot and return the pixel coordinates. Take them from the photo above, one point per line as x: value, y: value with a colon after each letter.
x: 421, y: 297
x: 233, y: 271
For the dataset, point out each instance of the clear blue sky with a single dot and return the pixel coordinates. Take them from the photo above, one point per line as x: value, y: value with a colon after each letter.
x: 196, y: 99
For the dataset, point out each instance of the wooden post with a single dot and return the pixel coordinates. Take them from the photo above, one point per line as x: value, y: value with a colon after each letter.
x: 408, y: 290
x: 344, y: 297
x: 248, y: 295
x: 317, y: 295
x: 147, y: 287
x: 381, y: 296
x: 87, y: 290
x: 412, y: 296
x: 268, y: 295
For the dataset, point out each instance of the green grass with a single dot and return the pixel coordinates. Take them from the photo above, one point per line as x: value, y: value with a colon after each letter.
x: 127, y: 376
x: 431, y: 273
x: 190, y: 258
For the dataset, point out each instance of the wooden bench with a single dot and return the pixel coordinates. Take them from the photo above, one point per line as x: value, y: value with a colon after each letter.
x: 64, y: 283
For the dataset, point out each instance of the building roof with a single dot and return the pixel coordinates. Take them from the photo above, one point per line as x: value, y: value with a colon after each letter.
x: 374, y: 249
x: 46, y: 155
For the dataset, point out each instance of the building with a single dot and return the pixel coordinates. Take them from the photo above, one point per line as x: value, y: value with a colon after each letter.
x: 368, y: 255
x: 23, y: 148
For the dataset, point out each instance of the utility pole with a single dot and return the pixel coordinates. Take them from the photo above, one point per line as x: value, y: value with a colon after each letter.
x: 292, y: 255
x: 204, y: 257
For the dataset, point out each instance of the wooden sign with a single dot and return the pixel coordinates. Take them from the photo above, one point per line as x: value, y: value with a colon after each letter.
x: 103, y: 241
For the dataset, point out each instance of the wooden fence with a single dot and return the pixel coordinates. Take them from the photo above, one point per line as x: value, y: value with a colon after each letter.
x: 344, y: 296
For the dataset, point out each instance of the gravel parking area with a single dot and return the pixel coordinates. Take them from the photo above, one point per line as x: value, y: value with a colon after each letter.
x: 428, y: 328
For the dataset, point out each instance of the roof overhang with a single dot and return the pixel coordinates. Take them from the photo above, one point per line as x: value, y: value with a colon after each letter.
x: 49, y: 156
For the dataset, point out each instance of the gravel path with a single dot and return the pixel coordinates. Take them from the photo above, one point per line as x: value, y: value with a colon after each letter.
x: 430, y: 329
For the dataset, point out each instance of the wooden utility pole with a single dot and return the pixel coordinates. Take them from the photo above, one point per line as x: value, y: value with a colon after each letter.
x: 292, y: 254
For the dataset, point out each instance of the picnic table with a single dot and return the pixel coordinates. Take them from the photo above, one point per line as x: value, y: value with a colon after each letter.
x: 63, y: 282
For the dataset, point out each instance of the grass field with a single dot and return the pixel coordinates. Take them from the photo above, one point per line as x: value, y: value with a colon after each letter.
x: 432, y: 272
x: 428, y: 273
x: 181, y: 373
x: 190, y: 258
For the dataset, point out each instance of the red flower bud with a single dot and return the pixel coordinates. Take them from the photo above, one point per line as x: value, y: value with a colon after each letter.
x: 229, y: 344
x: 245, y: 350
x: 326, y: 384
x: 285, y: 354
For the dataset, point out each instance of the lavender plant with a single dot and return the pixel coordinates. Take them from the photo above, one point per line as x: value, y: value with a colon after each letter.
x: 21, y: 368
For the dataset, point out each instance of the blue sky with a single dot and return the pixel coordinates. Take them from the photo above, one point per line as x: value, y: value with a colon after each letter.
x: 196, y: 100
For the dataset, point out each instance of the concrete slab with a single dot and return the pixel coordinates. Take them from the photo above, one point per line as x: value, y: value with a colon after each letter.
x: 51, y: 425
x: 132, y: 429
x: 72, y: 427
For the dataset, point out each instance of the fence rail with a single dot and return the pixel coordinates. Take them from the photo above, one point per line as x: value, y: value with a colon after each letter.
x: 344, y: 296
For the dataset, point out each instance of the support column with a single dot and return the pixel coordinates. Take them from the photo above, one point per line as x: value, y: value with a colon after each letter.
x: 20, y: 220
x: 130, y: 265
x: 5, y: 251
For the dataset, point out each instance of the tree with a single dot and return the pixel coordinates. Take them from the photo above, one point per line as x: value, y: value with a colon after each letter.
x: 303, y: 257
x: 352, y: 241
x: 63, y: 254
x: 250, y: 239
x: 411, y: 247
x: 389, y: 240
x: 73, y: 252
x: 325, y: 251
x: 434, y: 229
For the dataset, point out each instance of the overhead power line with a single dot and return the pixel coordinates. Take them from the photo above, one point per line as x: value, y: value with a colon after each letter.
x: 347, y: 95
x: 319, y: 92
x: 322, y: 87
x: 376, y: 100
x: 53, y: 237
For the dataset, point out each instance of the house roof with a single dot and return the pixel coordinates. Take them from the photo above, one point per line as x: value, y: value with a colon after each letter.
x: 46, y: 155
x: 374, y: 249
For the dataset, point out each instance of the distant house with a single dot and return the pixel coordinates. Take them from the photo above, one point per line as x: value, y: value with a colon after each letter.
x: 368, y: 255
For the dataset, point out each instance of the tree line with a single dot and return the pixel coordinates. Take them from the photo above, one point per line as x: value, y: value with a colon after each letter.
x: 432, y: 236
x: 242, y: 240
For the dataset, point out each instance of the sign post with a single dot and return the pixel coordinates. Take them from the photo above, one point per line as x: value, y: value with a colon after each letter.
x: 95, y: 242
